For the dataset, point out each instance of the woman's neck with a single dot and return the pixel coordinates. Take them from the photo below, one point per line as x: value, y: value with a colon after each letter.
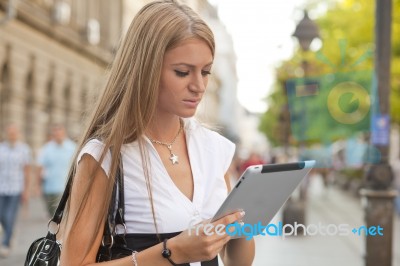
x: 164, y: 129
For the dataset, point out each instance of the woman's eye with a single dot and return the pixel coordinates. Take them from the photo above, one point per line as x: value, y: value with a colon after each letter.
x: 205, y: 73
x: 181, y: 73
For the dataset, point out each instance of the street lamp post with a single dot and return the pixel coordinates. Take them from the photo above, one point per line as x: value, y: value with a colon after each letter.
x: 306, y: 31
x: 378, y: 193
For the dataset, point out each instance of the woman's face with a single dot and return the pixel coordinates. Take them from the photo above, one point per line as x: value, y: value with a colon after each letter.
x: 184, y: 78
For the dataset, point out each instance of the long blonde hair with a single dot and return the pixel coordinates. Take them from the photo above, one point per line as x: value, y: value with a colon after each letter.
x: 128, y: 101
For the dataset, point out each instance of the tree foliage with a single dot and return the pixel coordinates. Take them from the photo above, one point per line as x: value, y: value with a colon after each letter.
x: 347, y: 33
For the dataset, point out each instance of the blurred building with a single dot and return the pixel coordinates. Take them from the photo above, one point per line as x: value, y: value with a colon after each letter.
x: 54, y: 53
x: 252, y: 140
x: 221, y: 105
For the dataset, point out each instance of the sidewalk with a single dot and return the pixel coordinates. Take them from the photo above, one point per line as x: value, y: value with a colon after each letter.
x: 325, y: 206
x: 31, y: 224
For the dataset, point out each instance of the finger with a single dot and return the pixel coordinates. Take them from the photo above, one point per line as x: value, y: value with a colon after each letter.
x: 207, y: 221
x: 223, y: 240
x: 231, y: 218
x: 225, y: 227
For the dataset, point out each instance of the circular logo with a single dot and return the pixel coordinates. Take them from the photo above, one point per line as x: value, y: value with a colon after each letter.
x: 359, y: 97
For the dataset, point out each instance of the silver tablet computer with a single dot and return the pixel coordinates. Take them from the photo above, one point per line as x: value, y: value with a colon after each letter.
x: 262, y: 190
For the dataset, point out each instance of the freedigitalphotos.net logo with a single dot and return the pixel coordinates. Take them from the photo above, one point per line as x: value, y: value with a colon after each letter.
x: 279, y: 229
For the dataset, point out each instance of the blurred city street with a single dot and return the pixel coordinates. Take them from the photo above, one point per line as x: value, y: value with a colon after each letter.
x: 325, y: 206
x: 31, y: 224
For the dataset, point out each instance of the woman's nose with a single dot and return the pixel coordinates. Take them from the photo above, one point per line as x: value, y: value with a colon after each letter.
x: 198, y: 84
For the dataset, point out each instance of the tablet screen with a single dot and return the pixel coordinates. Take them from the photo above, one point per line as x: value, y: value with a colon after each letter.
x: 263, y: 189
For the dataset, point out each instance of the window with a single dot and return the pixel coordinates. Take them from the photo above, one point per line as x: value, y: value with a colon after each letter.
x: 29, y: 114
x: 4, y: 94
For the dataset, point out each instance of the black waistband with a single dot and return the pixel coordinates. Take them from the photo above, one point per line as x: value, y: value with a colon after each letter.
x: 140, y: 242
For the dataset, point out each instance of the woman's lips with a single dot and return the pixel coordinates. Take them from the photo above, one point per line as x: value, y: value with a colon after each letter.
x: 192, y: 103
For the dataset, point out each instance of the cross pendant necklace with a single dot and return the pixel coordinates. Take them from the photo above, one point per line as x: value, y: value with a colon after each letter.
x: 173, y: 157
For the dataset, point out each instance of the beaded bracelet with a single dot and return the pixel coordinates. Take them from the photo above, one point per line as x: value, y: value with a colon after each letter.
x: 134, y: 253
x: 166, y: 253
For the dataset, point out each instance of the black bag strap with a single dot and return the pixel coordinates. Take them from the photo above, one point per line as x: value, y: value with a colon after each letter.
x: 115, y: 216
x: 114, y: 245
x: 120, y: 215
x: 58, y: 214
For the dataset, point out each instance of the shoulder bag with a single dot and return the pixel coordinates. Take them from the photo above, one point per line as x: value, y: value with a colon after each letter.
x: 46, y: 251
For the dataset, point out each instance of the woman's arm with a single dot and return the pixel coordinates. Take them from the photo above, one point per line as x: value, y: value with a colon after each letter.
x: 237, y: 251
x: 81, y: 244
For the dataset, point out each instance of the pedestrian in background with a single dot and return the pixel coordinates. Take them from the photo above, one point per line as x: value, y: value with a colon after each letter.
x: 253, y: 159
x: 54, y: 162
x: 15, y: 159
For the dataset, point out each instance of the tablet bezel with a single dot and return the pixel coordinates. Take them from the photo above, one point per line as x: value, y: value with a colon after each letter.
x: 261, y: 175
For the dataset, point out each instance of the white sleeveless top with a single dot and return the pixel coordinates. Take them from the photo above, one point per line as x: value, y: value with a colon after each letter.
x: 210, y: 156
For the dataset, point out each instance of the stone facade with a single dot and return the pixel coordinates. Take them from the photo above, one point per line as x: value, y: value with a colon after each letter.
x: 52, y: 62
x: 53, y: 57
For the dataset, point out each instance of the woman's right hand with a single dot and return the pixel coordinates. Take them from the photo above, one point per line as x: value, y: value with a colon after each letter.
x: 203, y: 243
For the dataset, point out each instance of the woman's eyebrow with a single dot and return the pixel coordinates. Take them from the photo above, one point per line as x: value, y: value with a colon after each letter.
x: 190, y: 65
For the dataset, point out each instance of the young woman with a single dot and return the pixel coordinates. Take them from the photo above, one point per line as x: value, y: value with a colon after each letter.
x: 174, y: 169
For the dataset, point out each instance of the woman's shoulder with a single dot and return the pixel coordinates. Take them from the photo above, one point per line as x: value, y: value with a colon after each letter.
x: 211, y: 136
x: 201, y: 129
x: 95, y: 148
x: 94, y: 142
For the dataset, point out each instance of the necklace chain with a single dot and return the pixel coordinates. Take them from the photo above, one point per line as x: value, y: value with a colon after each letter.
x: 173, y: 157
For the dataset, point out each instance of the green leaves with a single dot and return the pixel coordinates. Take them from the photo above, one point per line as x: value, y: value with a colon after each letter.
x: 347, y: 55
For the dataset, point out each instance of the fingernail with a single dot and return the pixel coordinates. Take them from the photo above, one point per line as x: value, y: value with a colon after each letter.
x: 242, y: 213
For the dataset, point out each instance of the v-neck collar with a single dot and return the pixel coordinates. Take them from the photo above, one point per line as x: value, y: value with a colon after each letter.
x: 189, y: 126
